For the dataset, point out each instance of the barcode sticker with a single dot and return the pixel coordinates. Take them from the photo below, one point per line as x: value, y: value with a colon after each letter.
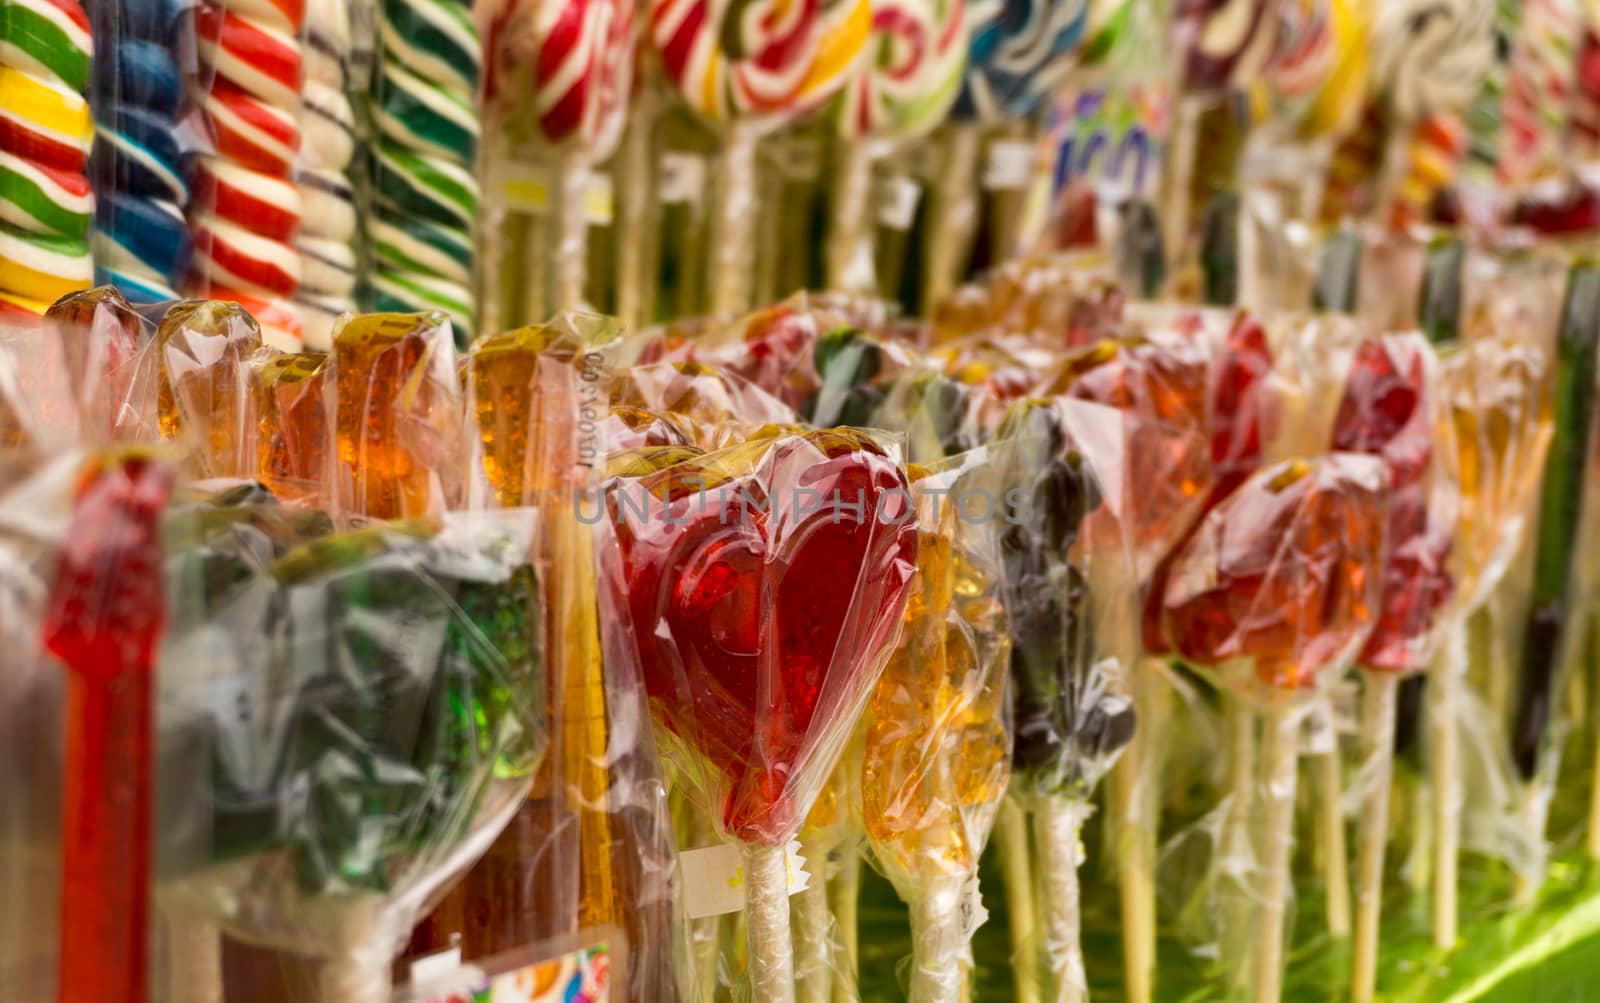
x: 713, y: 878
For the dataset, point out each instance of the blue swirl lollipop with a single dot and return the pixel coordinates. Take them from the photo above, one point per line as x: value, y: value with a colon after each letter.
x: 1021, y: 49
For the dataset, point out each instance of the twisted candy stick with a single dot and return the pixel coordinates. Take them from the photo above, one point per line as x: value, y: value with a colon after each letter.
x: 45, y: 135
x: 245, y: 211
x: 427, y: 143
x: 761, y: 65
x: 142, y: 243
x: 918, y: 55
x: 328, y: 227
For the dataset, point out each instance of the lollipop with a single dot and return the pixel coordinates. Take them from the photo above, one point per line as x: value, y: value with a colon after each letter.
x: 45, y: 135
x: 395, y: 415
x: 1225, y: 45
x: 291, y: 409
x: 748, y: 71
x: 142, y: 177
x: 1275, y: 594
x: 1561, y: 505
x: 102, y: 339
x: 423, y: 167
x: 1540, y: 82
x: 1388, y: 411
x: 204, y: 397
x: 1499, y: 420
x: 754, y: 656
x: 576, y: 58
x: 917, y: 51
x: 935, y: 764
x: 103, y: 623
x: 245, y: 210
x: 328, y: 216
x: 1070, y: 721
x: 1021, y: 50
x: 1427, y: 59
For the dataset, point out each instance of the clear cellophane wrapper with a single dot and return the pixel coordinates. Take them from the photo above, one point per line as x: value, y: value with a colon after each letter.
x: 1273, y: 596
x: 592, y: 847
x: 1068, y: 555
x: 347, y: 721
x: 36, y: 525
x: 936, y: 744
x: 392, y: 402
x: 758, y: 591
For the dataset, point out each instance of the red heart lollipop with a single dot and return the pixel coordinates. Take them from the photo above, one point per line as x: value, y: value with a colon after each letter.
x: 764, y: 586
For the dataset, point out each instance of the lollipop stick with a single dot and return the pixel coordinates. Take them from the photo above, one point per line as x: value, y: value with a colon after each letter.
x: 1135, y: 781
x: 813, y: 974
x: 767, y: 924
x: 1280, y: 741
x: 1377, y: 775
x: 847, y: 222
x: 194, y: 957
x: 844, y: 891
x: 636, y: 194
x: 733, y: 240
x: 569, y: 250
x: 1445, y: 686
x: 938, y: 958
x: 1180, y: 174
x: 1056, y: 824
x: 1330, y: 825
x: 1011, y: 835
x: 953, y: 215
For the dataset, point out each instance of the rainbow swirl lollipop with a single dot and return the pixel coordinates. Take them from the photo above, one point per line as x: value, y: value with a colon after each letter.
x: 1020, y: 51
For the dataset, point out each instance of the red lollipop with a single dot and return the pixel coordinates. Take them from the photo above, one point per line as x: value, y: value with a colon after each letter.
x: 1387, y: 412
x: 1276, y: 593
x: 764, y: 586
x: 103, y: 622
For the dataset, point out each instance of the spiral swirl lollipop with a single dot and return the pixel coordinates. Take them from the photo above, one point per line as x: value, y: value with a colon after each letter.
x: 1541, y: 80
x: 913, y: 73
x: 750, y: 67
x: 1429, y: 57
x: 1274, y: 594
x: 1020, y: 52
x: 576, y: 58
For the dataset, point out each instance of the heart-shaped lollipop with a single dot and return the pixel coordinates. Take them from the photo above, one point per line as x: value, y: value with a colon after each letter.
x: 765, y: 582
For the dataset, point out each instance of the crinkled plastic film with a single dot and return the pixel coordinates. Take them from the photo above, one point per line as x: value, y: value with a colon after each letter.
x: 592, y: 847
x: 936, y: 740
x: 714, y: 407
x: 395, y: 405
x: 1272, y: 597
x: 1053, y: 300
x: 1068, y: 556
x: 348, y: 720
x: 728, y: 583
x: 81, y: 608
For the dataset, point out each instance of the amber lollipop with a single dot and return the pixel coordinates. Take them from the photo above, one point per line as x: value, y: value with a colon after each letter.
x: 1497, y: 417
x: 205, y: 351
x: 936, y: 749
x: 1276, y: 594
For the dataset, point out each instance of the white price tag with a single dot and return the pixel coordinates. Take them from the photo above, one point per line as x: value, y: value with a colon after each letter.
x: 713, y: 878
x: 1009, y: 166
x: 682, y: 178
x: 897, y: 202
